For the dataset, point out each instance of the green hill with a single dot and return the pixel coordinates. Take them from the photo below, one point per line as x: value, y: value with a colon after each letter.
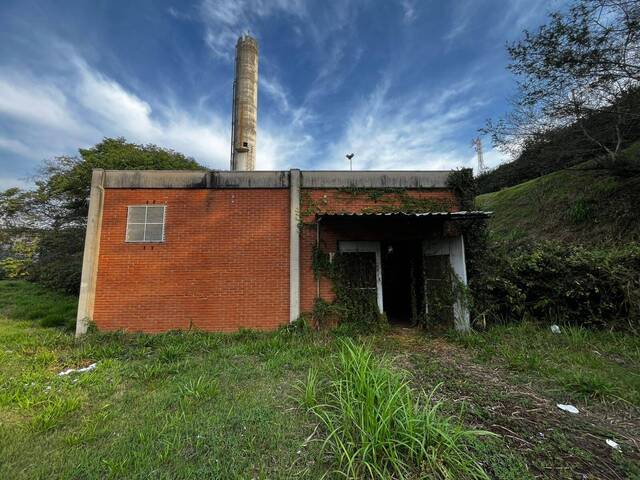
x: 576, y: 205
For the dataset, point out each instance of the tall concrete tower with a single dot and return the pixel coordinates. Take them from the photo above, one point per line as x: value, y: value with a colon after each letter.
x: 245, y: 105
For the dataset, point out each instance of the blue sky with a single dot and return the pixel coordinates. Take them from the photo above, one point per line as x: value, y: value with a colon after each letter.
x: 404, y: 84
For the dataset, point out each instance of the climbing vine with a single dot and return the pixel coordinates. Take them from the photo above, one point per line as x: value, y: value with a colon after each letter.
x: 352, y: 306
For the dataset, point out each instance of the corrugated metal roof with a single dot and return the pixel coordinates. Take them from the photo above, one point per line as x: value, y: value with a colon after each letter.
x: 464, y: 214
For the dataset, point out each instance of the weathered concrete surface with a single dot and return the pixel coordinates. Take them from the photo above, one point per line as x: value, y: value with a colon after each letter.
x: 374, y: 179
x: 195, y: 179
x: 91, y: 251
x: 245, y: 105
x: 454, y: 248
x: 273, y: 179
x: 294, y: 246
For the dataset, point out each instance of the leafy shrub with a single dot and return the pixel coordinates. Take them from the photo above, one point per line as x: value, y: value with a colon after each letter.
x: 377, y: 428
x: 560, y: 283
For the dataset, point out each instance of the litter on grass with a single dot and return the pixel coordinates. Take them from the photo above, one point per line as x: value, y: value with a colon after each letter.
x: 568, y: 408
x: 79, y: 370
x: 613, y: 444
x: 555, y: 329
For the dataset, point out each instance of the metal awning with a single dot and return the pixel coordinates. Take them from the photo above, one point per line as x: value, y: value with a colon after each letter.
x: 444, y: 215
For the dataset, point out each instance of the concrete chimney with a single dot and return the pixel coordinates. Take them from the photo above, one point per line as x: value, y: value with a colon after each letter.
x: 245, y: 105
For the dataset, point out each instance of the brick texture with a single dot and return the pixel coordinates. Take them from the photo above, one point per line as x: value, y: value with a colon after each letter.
x: 224, y: 263
x: 340, y: 201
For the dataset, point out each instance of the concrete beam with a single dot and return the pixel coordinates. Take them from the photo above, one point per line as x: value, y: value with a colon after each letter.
x: 374, y: 179
x: 195, y: 179
x: 294, y: 245
x: 91, y: 251
x: 274, y: 179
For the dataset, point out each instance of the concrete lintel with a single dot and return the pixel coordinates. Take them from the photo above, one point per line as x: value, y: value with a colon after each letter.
x: 374, y: 179
x: 91, y: 252
x: 294, y: 245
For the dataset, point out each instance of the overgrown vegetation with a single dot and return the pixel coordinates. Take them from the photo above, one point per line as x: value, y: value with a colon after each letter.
x: 355, y: 303
x: 377, y: 427
x: 192, y: 404
x: 578, y: 95
x: 21, y: 300
x: 559, y: 283
x: 579, y: 206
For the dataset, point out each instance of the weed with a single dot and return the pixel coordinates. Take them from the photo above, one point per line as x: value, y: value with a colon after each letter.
x: 377, y: 428
x: 199, y: 389
x: 590, y: 386
x: 53, y: 411
x: 308, y: 390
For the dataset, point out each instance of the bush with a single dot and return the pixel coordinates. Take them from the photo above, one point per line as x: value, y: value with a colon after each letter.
x: 377, y: 428
x: 560, y: 283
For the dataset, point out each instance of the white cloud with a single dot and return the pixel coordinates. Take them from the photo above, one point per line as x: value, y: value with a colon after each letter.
x: 227, y: 19
x: 41, y: 120
x: 46, y: 105
x: 409, y: 11
x: 407, y: 132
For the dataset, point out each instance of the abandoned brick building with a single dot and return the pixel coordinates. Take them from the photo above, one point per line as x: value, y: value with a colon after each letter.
x: 224, y: 250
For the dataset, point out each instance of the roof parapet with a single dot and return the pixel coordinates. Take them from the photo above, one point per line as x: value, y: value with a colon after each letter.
x: 274, y: 179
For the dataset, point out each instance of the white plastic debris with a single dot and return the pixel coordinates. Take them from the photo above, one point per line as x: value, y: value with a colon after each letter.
x: 555, y: 329
x: 568, y: 408
x: 613, y: 444
x: 79, y: 370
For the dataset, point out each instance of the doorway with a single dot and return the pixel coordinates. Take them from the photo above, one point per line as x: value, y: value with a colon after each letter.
x: 363, y: 265
x: 402, y: 282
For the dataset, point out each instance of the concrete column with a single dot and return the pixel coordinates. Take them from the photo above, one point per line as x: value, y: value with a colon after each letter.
x: 454, y: 248
x: 294, y: 245
x: 91, y: 252
x: 459, y: 267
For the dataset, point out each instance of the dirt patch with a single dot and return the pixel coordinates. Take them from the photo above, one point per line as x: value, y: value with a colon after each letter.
x: 555, y: 444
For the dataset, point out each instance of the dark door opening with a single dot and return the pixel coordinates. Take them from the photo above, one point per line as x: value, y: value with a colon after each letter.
x: 402, y: 282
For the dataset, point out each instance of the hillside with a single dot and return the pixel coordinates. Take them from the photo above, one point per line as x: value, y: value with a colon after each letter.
x: 577, y: 205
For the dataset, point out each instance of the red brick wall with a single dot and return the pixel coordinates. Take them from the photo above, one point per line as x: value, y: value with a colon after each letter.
x: 315, y: 201
x: 224, y: 263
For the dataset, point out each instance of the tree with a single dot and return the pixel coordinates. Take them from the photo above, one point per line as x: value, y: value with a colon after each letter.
x: 52, y: 217
x: 579, y: 71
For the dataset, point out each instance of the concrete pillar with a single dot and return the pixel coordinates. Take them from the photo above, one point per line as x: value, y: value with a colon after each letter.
x: 91, y: 251
x: 454, y: 248
x: 294, y: 245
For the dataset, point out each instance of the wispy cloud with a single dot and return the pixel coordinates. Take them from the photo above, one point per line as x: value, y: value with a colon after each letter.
x: 412, y: 131
x: 48, y: 121
x: 226, y: 19
x: 409, y: 11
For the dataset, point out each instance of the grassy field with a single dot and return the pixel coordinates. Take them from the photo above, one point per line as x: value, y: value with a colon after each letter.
x: 576, y: 205
x: 582, y: 365
x: 195, y: 405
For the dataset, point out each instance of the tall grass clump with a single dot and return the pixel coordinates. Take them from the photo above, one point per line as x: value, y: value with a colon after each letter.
x: 377, y: 427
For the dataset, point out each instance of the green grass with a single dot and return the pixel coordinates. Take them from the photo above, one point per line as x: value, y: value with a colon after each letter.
x: 581, y: 365
x: 376, y: 426
x: 590, y: 207
x: 195, y: 405
x: 52, y: 309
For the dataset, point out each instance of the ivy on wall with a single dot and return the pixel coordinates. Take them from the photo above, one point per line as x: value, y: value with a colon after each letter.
x: 352, y: 306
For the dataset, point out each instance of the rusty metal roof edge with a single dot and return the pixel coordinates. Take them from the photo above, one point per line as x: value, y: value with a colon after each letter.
x: 464, y: 213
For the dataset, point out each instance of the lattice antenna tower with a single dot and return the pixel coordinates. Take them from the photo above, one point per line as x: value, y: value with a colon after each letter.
x: 476, y: 143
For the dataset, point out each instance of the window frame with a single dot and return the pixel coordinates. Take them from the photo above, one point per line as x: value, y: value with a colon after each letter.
x: 146, y: 206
